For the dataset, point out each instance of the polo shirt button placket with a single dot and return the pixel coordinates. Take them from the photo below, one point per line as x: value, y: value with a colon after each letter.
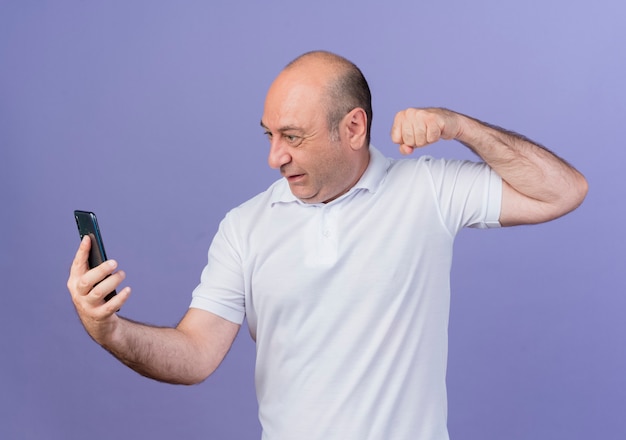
x: 328, y: 239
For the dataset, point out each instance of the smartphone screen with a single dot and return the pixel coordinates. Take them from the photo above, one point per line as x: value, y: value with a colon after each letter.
x: 88, y: 225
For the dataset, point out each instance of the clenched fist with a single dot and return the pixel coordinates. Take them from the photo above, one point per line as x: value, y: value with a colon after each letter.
x: 418, y: 127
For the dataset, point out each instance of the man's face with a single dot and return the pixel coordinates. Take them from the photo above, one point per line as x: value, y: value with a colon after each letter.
x: 317, y: 168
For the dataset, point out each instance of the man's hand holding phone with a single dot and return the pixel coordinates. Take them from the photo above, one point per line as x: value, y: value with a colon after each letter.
x: 90, y: 288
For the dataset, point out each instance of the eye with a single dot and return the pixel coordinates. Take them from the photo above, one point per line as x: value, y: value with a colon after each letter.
x: 268, y: 134
x: 292, y: 139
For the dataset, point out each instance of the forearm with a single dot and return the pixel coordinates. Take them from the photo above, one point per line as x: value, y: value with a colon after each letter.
x: 550, y: 186
x: 163, y: 354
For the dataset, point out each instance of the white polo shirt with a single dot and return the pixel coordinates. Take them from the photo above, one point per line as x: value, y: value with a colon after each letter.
x: 348, y: 301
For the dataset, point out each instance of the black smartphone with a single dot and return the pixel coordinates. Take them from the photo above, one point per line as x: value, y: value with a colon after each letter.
x: 88, y: 225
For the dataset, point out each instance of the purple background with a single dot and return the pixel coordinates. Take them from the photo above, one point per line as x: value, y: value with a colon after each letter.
x: 148, y: 114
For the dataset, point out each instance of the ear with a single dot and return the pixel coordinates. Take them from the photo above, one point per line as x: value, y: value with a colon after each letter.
x: 355, y: 128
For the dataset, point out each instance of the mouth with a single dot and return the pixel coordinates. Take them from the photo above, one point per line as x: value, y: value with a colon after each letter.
x: 293, y: 178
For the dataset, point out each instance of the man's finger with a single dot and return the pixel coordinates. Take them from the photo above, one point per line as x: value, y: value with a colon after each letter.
x: 80, y: 263
x: 433, y: 132
x: 396, y: 129
x: 406, y: 149
x: 107, y: 285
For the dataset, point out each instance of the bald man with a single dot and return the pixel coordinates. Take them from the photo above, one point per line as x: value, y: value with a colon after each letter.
x: 341, y: 267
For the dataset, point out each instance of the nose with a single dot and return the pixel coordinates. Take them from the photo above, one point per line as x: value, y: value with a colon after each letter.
x: 279, y: 155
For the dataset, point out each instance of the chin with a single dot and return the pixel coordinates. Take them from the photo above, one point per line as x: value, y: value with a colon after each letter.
x: 309, y: 198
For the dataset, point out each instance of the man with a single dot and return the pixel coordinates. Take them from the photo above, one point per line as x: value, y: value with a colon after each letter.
x: 342, y: 267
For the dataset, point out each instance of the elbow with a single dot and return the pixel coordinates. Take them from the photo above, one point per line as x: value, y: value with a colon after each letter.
x: 579, y: 191
x: 194, y: 373
x: 199, y: 376
x: 188, y: 379
x: 573, y: 197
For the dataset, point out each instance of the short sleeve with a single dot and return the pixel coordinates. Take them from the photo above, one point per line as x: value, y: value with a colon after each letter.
x: 221, y: 288
x: 469, y: 193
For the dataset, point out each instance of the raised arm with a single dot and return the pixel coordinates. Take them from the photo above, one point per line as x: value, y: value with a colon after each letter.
x: 187, y: 354
x: 538, y: 186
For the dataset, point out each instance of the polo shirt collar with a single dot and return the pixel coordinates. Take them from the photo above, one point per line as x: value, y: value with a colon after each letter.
x: 369, y: 181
